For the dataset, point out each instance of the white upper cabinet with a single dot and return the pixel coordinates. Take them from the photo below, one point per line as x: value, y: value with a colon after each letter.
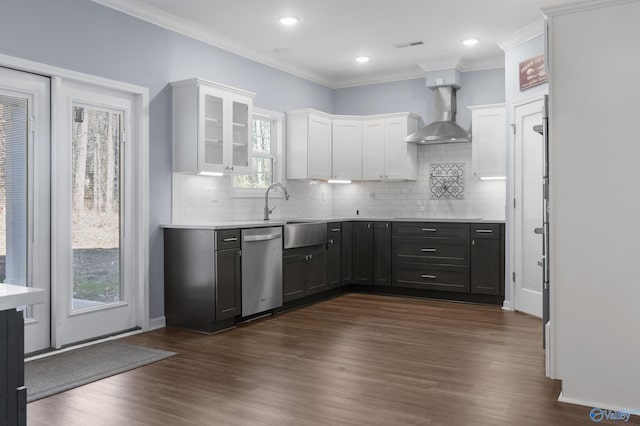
x: 385, y: 154
x: 488, y: 146
x: 308, y: 145
x: 211, y: 128
x: 354, y: 148
x: 347, y: 149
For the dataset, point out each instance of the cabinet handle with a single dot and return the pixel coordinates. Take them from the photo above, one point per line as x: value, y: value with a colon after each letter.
x: 306, y: 257
x: 433, y: 277
x: 231, y: 168
x: 484, y: 231
x: 310, y: 257
x: 386, y: 225
x: 432, y: 250
x: 330, y: 241
x: 429, y: 229
x: 335, y: 229
x: 368, y: 226
x: 227, y: 240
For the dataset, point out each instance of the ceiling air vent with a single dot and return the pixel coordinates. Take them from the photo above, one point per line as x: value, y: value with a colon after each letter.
x: 408, y: 44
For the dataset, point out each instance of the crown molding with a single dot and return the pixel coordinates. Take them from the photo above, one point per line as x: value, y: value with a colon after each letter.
x: 178, y: 25
x: 523, y: 35
x: 581, y: 6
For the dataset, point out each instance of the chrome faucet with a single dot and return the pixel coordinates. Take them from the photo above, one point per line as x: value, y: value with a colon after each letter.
x: 268, y: 211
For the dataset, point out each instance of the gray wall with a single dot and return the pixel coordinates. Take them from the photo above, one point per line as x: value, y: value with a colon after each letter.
x: 83, y: 36
x: 477, y: 88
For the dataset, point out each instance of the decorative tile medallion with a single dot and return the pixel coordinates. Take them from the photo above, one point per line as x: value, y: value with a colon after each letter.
x: 447, y: 181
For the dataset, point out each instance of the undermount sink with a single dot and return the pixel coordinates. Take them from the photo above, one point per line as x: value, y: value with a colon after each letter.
x: 304, y: 234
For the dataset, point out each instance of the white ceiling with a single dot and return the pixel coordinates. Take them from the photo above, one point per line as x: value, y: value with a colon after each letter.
x: 331, y: 33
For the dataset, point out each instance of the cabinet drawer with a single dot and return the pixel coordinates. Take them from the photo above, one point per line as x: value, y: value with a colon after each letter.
x: 334, y: 229
x: 431, y: 250
x: 431, y: 230
x: 490, y: 230
x: 431, y: 277
x: 227, y: 239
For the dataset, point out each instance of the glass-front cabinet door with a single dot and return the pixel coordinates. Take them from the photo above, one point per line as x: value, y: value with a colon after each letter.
x: 241, y: 147
x: 211, y: 128
x: 212, y: 154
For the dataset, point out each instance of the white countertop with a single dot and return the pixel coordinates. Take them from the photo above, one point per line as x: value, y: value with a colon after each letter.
x: 258, y: 223
x: 13, y: 296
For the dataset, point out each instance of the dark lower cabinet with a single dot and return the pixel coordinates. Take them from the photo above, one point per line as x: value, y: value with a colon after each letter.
x: 228, y: 284
x: 371, y: 253
x: 362, y: 253
x: 334, y: 255
x: 487, y: 260
x: 202, y: 270
x: 381, y: 253
x: 304, y: 272
x: 13, y: 394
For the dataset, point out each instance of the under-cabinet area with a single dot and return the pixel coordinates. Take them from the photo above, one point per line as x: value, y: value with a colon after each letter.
x: 208, y: 272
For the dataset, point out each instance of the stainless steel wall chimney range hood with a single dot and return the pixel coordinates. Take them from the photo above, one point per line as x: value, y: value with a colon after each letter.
x: 444, y: 129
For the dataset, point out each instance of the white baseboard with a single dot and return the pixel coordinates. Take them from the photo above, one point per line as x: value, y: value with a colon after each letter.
x: 507, y: 306
x: 576, y: 401
x: 156, y: 323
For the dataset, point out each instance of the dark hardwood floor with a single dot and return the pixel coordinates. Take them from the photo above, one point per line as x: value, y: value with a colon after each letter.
x: 353, y: 360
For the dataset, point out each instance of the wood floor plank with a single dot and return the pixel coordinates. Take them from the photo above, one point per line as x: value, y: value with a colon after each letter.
x: 352, y: 360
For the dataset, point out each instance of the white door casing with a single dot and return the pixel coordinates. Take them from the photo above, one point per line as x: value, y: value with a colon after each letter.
x: 36, y: 90
x: 528, y: 213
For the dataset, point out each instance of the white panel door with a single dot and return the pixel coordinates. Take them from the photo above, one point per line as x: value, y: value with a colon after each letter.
x: 347, y: 149
x: 319, y: 147
x: 528, y: 173
x: 25, y: 140
x: 373, y: 149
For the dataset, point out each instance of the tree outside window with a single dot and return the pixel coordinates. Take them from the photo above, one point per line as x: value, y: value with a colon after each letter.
x: 263, y: 155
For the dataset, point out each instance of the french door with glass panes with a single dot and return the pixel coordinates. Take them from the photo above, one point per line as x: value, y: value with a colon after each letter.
x: 95, y: 289
x: 25, y: 140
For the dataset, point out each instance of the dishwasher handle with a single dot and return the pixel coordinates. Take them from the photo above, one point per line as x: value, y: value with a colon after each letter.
x: 263, y: 237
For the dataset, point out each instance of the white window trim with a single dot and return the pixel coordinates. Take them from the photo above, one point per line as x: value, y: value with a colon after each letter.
x: 278, y: 157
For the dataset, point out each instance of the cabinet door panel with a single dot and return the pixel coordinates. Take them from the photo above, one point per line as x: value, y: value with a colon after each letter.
x: 334, y: 255
x: 347, y: 149
x: 362, y: 253
x: 382, y: 253
x: 212, y: 110
x: 373, y: 149
x: 319, y: 147
x: 400, y: 157
x: 316, y: 272
x: 228, y: 303
x: 241, y: 134
x: 489, y: 142
x: 293, y: 278
x: 485, y: 266
x: 347, y: 252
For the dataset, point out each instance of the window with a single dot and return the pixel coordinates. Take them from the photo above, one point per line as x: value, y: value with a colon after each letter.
x: 265, y: 147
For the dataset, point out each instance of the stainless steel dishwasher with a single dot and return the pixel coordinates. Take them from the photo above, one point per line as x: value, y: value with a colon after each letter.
x: 261, y: 269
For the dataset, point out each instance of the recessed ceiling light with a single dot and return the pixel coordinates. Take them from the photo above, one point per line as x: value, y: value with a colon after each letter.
x: 470, y: 41
x: 289, y: 20
x: 362, y: 59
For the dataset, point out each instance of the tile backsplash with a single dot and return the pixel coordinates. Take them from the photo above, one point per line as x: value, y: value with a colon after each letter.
x: 205, y: 200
